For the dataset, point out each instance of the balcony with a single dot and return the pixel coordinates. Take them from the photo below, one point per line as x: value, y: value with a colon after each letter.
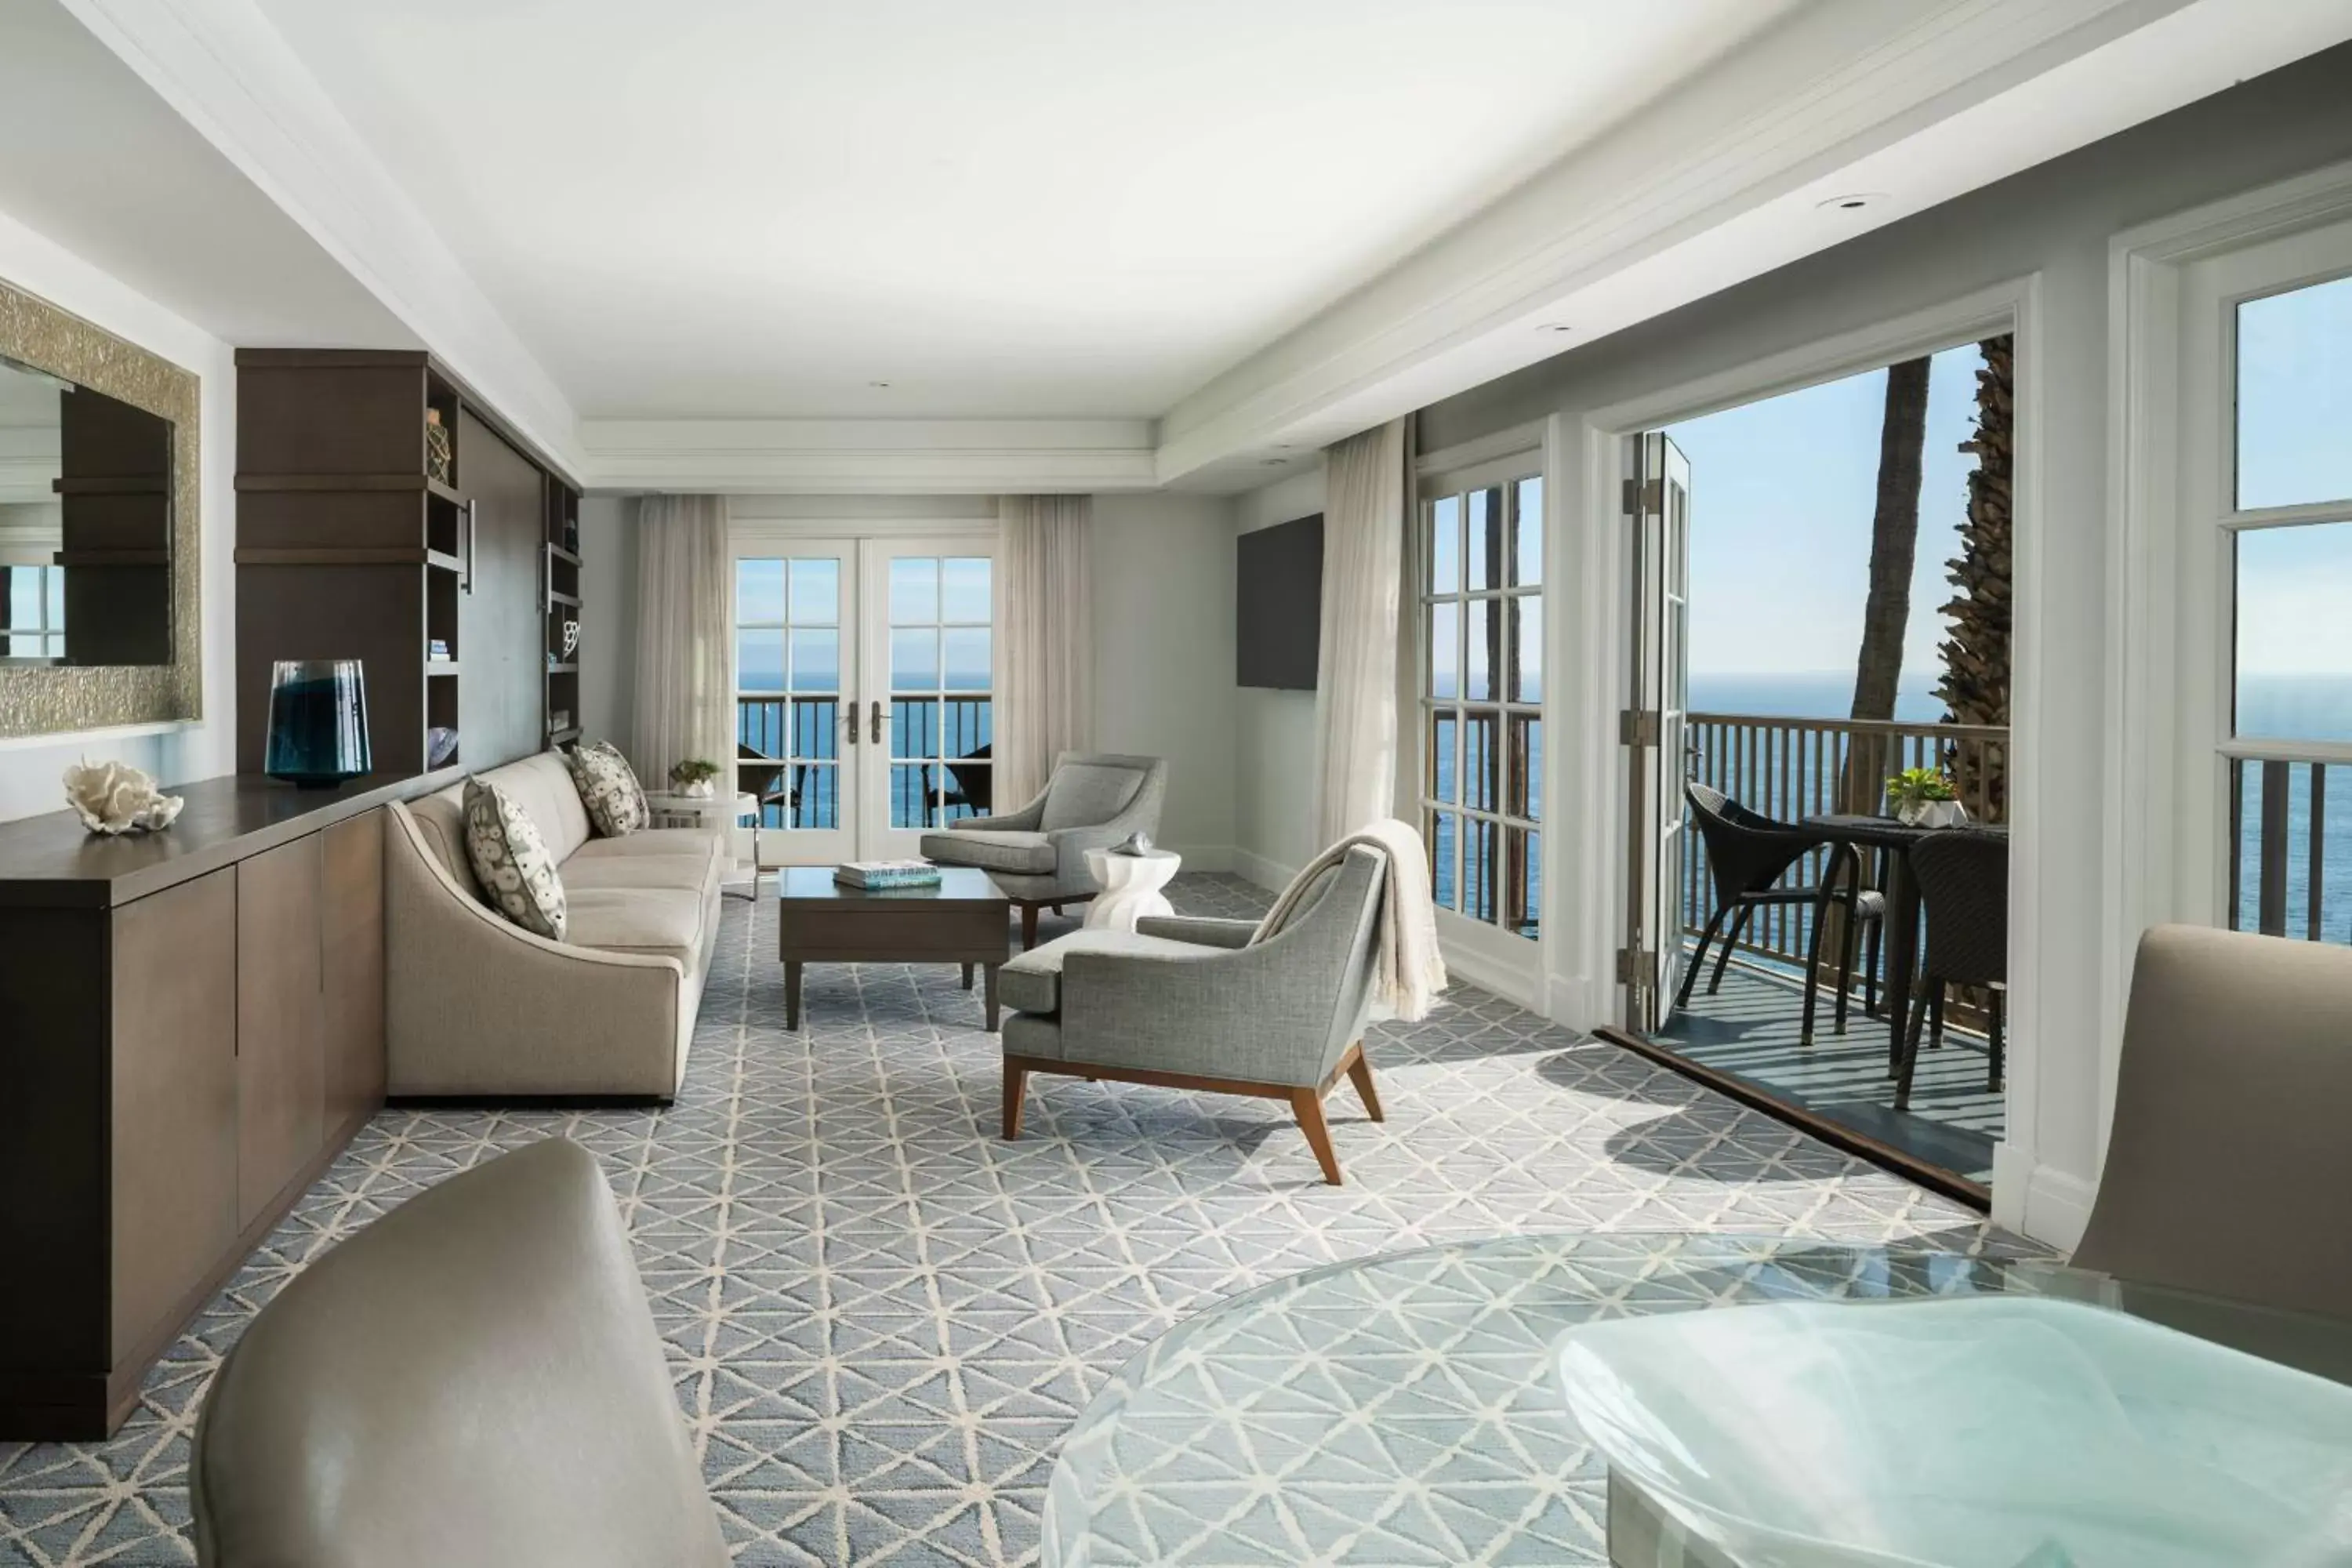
x: 788, y: 754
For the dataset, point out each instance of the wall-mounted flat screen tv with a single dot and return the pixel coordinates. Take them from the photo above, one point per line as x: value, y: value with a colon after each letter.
x: 1279, y: 605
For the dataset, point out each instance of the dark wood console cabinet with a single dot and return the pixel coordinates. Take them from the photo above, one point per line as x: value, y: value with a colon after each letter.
x: 190, y: 1027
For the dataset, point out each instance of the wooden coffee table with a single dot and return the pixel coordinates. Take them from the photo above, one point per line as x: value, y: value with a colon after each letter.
x: 965, y: 919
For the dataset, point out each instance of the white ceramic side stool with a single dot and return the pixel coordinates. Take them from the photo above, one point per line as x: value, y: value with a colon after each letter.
x: 1130, y: 887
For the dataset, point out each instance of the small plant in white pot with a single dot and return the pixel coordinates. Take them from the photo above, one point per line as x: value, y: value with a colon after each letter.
x: 695, y: 777
x: 1924, y: 797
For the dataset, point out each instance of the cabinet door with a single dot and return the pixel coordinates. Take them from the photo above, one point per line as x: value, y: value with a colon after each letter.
x: 280, y: 1069
x: 501, y: 625
x: 173, y: 1141
x: 353, y: 918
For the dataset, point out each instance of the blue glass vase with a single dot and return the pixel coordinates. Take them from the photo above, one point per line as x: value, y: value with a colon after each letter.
x: 318, y: 723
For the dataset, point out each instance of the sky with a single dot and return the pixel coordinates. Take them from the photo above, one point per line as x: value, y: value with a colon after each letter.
x: 1782, y: 491
x: 2295, y: 446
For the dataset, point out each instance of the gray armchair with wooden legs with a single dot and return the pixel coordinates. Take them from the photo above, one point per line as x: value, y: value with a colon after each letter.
x: 1209, y: 1004
x: 1038, y: 854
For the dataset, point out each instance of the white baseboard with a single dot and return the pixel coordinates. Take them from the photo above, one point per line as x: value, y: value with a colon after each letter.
x: 1512, y: 983
x: 1206, y: 858
x: 1256, y: 869
x: 2041, y: 1201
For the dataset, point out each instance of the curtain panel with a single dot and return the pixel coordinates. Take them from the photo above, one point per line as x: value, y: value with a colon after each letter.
x: 1045, y: 550
x: 1366, y: 499
x: 684, y: 695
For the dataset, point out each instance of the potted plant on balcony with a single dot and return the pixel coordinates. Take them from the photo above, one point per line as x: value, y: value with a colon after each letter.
x: 695, y: 778
x: 1924, y: 797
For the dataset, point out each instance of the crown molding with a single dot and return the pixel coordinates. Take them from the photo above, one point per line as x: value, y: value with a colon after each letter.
x: 865, y: 457
x: 227, y: 71
x: 1720, y: 181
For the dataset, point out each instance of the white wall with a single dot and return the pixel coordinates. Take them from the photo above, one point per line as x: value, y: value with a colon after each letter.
x: 29, y: 770
x: 608, y: 644
x: 1163, y: 567
x: 2054, y: 224
x: 1274, y: 732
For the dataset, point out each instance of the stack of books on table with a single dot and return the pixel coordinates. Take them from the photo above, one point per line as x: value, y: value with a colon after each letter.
x: 872, y: 876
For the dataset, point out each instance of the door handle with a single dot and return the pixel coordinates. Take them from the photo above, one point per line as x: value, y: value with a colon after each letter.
x: 877, y: 723
x: 467, y: 583
x: 849, y: 720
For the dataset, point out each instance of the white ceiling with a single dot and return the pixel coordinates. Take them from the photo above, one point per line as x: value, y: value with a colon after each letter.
x: 93, y: 160
x: 1024, y: 208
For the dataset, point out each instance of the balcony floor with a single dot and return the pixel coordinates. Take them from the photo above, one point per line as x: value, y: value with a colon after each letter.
x: 1749, y: 1031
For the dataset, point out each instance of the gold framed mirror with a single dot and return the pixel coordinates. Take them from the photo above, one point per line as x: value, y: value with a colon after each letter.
x: 101, y: 579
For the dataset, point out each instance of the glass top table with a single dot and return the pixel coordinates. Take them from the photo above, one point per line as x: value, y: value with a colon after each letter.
x: 1404, y: 1409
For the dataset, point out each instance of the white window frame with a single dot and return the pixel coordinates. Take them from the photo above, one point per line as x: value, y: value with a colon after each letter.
x: 51, y: 634
x: 1504, y: 474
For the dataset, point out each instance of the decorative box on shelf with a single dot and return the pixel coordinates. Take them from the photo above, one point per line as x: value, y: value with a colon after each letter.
x: 875, y: 876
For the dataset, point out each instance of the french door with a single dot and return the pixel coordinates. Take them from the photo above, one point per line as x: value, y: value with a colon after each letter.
x: 864, y: 682
x: 1653, y: 728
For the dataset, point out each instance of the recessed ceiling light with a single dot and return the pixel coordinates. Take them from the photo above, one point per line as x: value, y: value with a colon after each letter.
x: 883, y: 385
x: 1275, y: 462
x: 1853, y: 201
x: 1558, y: 327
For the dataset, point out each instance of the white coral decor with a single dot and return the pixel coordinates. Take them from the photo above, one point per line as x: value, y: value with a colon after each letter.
x: 111, y: 798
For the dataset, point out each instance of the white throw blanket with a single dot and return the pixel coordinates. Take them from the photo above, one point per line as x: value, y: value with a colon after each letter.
x: 1408, y: 970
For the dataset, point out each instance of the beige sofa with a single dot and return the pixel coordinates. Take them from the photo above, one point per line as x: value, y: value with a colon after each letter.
x: 475, y: 1005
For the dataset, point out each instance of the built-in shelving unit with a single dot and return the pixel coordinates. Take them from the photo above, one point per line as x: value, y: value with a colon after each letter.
x: 560, y: 611
x: 386, y: 514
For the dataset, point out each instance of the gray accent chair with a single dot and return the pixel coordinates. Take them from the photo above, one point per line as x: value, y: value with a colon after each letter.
x: 474, y: 1381
x: 2227, y: 1161
x: 1209, y: 1004
x: 1038, y: 854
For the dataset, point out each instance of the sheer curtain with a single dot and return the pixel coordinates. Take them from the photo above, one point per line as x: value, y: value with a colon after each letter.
x: 1045, y: 551
x: 684, y: 698
x: 1356, y: 737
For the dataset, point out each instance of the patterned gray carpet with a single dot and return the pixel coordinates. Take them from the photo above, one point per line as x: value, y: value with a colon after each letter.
x: 883, y: 1319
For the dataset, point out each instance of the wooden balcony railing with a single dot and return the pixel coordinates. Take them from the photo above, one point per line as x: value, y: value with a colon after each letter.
x: 1794, y: 768
x: 2288, y: 878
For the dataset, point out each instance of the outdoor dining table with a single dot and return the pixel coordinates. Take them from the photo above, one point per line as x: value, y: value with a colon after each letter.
x: 1860, y: 831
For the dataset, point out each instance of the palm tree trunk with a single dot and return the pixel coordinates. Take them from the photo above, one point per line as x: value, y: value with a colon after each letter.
x: 1975, y: 688
x: 1894, y: 548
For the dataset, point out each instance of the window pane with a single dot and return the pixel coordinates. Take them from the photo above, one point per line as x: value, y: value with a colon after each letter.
x: 914, y: 659
x: 759, y: 662
x: 912, y: 802
x: 2310, y: 893
x: 967, y: 655
x: 816, y: 590
x: 964, y: 594
x: 1445, y: 545
x: 1444, y: 676
x: 1485, y: 648
x: 2294, y: 637
x: 817, y: 726
x: 1526, y: 559
x: 1527, y: 647
x: 1485, y: 543
x: 1481, y: 854
x: 1442, y: 828
x: 1480, y: 767
x: 2294, y: 397
x: 1444, y: 730
x: 915, y: 591
x: 1524, y: 796
x: 816, y: 658
x: 1522, y: 881
x: 56, y: 578
x: 759, y: 591
x: 915, y: 727
x: 966, y: 727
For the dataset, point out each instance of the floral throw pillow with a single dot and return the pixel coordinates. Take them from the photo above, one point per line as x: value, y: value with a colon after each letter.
x: 512, y: 862
x: 609, y: 789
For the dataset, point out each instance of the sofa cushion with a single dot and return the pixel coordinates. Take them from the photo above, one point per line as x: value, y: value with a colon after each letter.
x: 512, y: 862
x: 1083, y: 795
x: 1002, y: 850
x: 692, y: 873
x: 609, y: 791
x: 699, y: 841
x: 663, y: 922
x: 1032, y: 981
x: 542, y: 786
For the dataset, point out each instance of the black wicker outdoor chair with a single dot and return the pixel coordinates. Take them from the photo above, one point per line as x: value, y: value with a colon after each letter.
x: 1962, y: 876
